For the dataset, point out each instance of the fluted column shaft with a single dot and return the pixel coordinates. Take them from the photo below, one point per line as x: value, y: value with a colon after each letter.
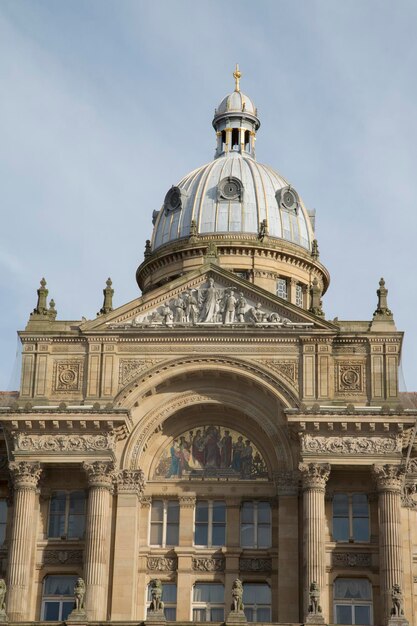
x: 97, y: 538
x: 389, y: 481
x: 314, y: 478
x: 25, y: 478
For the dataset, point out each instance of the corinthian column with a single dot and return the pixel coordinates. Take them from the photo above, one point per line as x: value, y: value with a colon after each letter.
x: 314, y: 478
x: 97, y: 537
x: 389, y: 481
x: 25, y: 477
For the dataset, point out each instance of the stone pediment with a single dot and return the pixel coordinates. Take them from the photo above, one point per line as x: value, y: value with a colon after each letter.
x: 208, y: 299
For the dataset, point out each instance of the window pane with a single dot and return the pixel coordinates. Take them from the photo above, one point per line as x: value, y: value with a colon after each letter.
x: 157, y: 513
x: 256, y: 593
x: 361, y: 529
x: 77, y: 502
x: 169, y: 592
x: 360, y: 505
x: 58, y: 502
x: 56, y: 525
x: 218, y: 535
x: 3, y: 511
x: 250, y: 614
x: 219, y: 512
x: 172, y: 535
x: 201, y: 535
x: 264, y: 513
x: 362, y: 614
x: 170, y: 613
x: 201, y: 512
x: 217, y: 615
x: 51, y: 611
x: 247, y: 512
x: 264, y: 536
x: 156, y: 534
x: 66, y: 609
x: 247, y: 537
x: 263, y: 614
x: 76, y: 524
x: 59, y: 585
x: 173, y: 512
x: 352, y: 588
x: 343, y: 614
x: 340, y: 529
x: 208, y: 592
x: 199, y: 615
x: 341, y: 505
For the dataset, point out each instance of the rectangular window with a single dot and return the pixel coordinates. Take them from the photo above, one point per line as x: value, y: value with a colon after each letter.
x: 255, y: 525
x: 299, y: 295
x: 352, y: 601
x: 169, y: 598
x: 282, y: 288
x: 350, y: 517
x: 67, y: 515
x: 165, y: 518
x: 57, y: 597
x: 3, y: 521
x: 208, y: 602
x: 257, y: 602
x: 210, y: 523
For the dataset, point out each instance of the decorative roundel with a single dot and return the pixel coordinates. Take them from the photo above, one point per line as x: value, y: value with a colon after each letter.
x: 230, y: 188
x: 288, y: 199
x: 173, y: 199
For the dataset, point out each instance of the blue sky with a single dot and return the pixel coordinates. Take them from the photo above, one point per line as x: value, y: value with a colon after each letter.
x: 107, y: 103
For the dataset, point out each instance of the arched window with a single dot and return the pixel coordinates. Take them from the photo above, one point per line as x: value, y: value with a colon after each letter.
x: 57, y: 597
x: 67, y: 515
x: 235, y: 139
x: 257, y: 602
x: 352, y: 601
x: 169, y: 598
x: 208, y: 602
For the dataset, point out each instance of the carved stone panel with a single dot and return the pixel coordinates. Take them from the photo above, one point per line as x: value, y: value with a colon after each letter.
x: 350, y: 445
x: 61, y: 557
x: 351, y: 559
x: 161, y: 564
x: 208, y: 564
x: 350, y: 377
x: 130, y: 368
x: 255, y: 565
x: 63, y: 443
x: 68, y: 375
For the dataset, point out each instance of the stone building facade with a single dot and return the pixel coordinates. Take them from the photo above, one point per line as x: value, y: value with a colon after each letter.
x: 216, y: 428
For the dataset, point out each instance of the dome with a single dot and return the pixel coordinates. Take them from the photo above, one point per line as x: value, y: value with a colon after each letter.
x: 236, y: 102
x: 233, y: 194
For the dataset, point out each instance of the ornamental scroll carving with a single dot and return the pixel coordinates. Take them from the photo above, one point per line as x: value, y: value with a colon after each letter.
x: 68, y: 375
x: 409, y: 496
x: 129, y: 481
x: 59, y: 557
x: 351, y: 559
x: 63, y: 443
x: 351, y: 445
x: 211, y: 304
x: 130, y: 368
x: 255, y: 565
x: 287, y: 369
x: 209, y: 564
x: 161, y: 564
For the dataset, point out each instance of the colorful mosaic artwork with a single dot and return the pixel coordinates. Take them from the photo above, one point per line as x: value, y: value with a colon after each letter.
x: 211, y: 451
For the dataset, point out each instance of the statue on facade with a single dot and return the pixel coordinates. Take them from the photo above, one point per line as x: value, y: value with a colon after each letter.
x: 241, y: 308
x: 78, y: 613
x: 191, y: 308
x: 156, y: 605
x: 256, y: 314
x: 230, y: 308
x: 397, y: 609
x: 211, y: 303
x: 3, y: 591
x: 315, y: 613
x: 237, y: 596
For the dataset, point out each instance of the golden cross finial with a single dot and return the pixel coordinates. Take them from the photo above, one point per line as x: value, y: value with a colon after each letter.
x: 237, y: 74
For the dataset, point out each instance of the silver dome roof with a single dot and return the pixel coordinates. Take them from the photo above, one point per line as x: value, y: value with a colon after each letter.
x: 254, y: 196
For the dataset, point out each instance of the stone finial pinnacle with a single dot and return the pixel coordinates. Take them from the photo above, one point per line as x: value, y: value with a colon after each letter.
x: 382, y: 311
x: 237, y: 76
x: 108, y: 298
x: 52, y: 312
x: 41, y: 308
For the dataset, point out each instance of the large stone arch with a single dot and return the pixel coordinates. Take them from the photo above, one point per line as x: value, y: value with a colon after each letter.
x: 249, y: 396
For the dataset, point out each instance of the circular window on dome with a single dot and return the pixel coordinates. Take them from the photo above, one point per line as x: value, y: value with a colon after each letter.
x: 173, y: 199
x: 288, y: 199
x: 230, y: 188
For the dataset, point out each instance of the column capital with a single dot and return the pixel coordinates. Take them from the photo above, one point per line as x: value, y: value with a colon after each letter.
x: 187, y: 502
x: 314, y: 475
x: 130, y: 481
x: 389, y: 477
x: 100, y: 474
x: 25, y: 474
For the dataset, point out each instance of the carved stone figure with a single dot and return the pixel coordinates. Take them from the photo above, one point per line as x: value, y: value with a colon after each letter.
x: 314, y: 599
x: 230, y: 308
x: 237, y: 596
x: 179, y: 306
x: 167, y: 315
x: 3, y: 591
x: 156, y: 605
x: 397, y: 609
x: 210, y: 305
x: 241, y: 308
x: 256, y: 314
x: 191, y: 308
x: 79, y: 594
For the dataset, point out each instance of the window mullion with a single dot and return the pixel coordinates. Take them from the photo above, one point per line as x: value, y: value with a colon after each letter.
x: 255, y: 524
x: 210, y: 524
x: 66, y: 517
x: 350, y: 509
x: 164, y: 523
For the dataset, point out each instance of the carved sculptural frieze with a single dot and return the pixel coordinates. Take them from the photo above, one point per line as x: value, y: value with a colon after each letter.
x: 63, y: 443
x: 350, y: 445
x: 208, y: 305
